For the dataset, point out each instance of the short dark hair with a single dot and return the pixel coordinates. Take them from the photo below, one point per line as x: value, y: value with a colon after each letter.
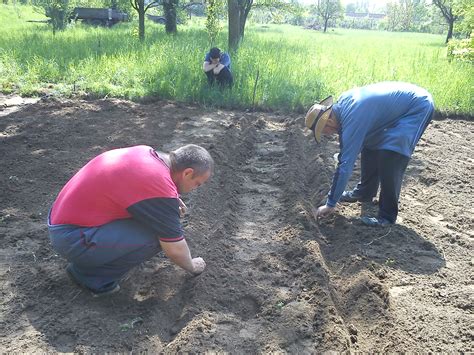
x: 192, y: 156
x: 215, y: 52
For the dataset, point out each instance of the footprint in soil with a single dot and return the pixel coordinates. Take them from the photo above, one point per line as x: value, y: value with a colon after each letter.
x: 65, y: 341
x: 246, y: 307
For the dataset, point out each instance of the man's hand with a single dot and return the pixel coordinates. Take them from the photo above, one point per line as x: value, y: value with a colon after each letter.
x: 198, y: 265
x: 179, y: 254
x: 323, y: 211
x: 182, y: 208
x: 218, y: 69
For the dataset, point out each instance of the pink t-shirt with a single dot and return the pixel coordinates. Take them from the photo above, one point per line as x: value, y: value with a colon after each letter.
x: 122, y: 183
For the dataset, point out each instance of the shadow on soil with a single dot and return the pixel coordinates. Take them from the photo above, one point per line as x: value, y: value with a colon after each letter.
x: 395, y: 246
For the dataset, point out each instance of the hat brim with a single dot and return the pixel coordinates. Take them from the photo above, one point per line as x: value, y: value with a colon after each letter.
x: 314, y: 110
x: 318, y: 129
x: 328, y: 101
x: 311, y: 115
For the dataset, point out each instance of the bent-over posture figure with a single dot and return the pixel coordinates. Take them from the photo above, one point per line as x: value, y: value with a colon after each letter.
x: 383, y: 122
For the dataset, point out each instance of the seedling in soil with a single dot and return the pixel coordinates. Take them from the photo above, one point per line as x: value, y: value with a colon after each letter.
x: 127, y: 326
x: 279, y: 305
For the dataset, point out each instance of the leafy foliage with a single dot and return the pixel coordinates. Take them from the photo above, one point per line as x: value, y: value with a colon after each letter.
x: 328, y: 10
x: 406, y: 15
x: 239, y: 10
x: 465, y: 10
x: 461, y: 49
x: 214, y: 11
x: 57, y: 11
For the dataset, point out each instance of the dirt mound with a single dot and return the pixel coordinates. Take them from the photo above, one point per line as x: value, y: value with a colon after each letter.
x: 275, y: 280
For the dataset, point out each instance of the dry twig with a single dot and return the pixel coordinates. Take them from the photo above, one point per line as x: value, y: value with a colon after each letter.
x: 383, y: 236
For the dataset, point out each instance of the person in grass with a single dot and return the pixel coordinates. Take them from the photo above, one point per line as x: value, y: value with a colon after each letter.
x: 383, y: 122
x: 122, y: 208
x: 216, y: 66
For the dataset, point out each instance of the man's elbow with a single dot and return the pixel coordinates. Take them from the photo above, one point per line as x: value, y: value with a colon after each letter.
x: 173, y: 249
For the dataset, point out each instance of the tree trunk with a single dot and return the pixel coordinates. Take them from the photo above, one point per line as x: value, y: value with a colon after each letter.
x: 244, y: 13
x: 234, y: 24
x: 447, y: 12
x: 169, y: 8
x: 325, y: 25
x: 242, y: 27
x: 141, y: 20
x: 450, y: 31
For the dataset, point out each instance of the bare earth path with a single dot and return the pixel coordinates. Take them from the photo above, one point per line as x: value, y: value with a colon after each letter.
x: 275, y: 280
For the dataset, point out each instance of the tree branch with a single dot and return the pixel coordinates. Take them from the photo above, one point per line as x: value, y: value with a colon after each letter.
x: 189, y: 4
x: 151, y: 5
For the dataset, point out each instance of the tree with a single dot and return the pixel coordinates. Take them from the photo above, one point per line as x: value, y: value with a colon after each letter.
x: 406, y: 15
x: 465, y: 10
x: 58, y: 12
x: 392, y: 16
x: 350, y: 8
x: 446, y: 8
x: 358, y: 6
x: 238, y: 11
x: 169, y: 9
x: 141, y: 8
x: 327, y: 10
x: 213, y: 11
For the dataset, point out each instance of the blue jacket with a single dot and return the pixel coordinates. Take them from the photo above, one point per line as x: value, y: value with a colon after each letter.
x: 388, y: 115
x: 224, y: 59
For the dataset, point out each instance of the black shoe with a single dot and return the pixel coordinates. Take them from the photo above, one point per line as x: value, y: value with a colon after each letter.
x: 109, y: 289
x: 350, y: 196
x: 375, y: 222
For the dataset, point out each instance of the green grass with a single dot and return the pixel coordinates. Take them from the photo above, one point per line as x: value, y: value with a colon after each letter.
x: 295, y: 66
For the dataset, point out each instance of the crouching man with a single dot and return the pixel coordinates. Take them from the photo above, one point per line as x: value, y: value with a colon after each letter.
x: 121, y: 209
x: 216, y: 66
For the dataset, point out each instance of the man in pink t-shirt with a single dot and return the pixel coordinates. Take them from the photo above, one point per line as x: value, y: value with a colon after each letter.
x: 122, y: 208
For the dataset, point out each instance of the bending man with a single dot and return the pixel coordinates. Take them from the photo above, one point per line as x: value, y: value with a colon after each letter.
x: 121, y: 209
x: 383, y: 122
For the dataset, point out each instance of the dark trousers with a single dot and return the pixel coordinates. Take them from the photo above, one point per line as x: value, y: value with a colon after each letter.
x: 382, y: 168
x: 102, y: 255
x: 224, y: 78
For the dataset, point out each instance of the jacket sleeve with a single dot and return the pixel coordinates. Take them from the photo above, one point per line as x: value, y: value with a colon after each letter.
x: 225, y: 60
x: 161, y: 215
x: 351, y: 140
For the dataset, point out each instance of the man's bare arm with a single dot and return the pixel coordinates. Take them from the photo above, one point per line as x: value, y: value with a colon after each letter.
x: 179, y: 254
x: 218, y: 68
x: 206, y: 66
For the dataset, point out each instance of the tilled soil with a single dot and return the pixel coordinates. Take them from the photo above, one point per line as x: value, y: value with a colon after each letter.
x: 276, y: 281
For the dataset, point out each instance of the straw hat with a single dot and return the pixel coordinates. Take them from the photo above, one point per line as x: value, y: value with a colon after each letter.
x: 317, y: 116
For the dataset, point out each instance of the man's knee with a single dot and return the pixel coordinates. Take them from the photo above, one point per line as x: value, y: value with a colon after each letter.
x: 225, y: 77
x: 210, y: 76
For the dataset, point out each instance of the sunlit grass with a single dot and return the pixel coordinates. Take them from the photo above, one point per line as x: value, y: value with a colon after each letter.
x: 295, y: 66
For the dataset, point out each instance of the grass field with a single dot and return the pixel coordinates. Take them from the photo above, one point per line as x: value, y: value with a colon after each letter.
x: 295, y: 66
